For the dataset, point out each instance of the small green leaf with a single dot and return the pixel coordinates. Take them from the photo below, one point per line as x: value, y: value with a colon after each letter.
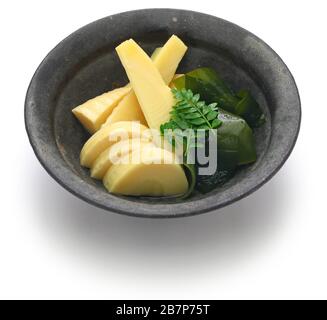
x: 198, y: 121
x: 173, y: 125
x: 186, y: 110
x: 213, y: 106
x: 206, y: 110
x: 203, y: 126
x: 189, y: 94
x: 193, y: 115
x: 196, y: 98
x: 216, y: 123
x: 180, y: 122
x: 200, y: 104
x: 212, y: 115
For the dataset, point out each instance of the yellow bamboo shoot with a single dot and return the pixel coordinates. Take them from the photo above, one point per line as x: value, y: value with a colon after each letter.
x: 94, y: 112
x: 114, y: 153
x: 166, y: 60
x: 154, y: 96
x: 109, y: 135
x: 160, y: 176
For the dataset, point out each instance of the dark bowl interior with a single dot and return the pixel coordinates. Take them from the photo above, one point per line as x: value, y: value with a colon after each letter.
x: 85, y: 65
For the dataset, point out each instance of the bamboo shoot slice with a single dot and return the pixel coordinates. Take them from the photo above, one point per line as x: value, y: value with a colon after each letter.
x: 109, y: 135
x: 128, y: 109
x: 94, y: 112
x: 154, y: 96
x: 160, y: 176
x: 166, y: 60
x: 114, y: 153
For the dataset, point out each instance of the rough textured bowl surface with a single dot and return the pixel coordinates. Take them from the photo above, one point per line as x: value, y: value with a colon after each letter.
x: 85, y: 64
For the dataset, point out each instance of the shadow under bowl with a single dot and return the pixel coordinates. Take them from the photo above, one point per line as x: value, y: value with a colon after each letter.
x: 85, y: 65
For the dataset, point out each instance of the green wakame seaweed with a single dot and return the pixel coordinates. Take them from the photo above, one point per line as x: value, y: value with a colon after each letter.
x: 208, y: 83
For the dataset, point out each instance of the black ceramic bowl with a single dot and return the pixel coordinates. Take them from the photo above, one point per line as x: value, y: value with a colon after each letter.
x: 85, y: 65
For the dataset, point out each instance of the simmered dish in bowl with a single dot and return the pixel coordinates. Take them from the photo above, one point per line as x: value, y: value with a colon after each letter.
x: 224, y: 68
x: 167, y: 134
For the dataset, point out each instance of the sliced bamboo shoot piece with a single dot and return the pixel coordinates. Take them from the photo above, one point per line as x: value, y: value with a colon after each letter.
x: 94, y: 112
x: 159, y: 176
x: 155, y: 97
x: 109, y: 135
x: 114, y: 154
x: 166, y: 60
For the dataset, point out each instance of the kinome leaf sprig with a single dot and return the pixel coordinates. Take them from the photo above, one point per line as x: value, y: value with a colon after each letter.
x: 189, y: 113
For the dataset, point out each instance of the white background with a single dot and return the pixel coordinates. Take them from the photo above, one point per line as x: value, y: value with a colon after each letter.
x: 272, y: 244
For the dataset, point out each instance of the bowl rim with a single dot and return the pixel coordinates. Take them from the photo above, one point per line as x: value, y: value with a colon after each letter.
x: 155, y: 210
